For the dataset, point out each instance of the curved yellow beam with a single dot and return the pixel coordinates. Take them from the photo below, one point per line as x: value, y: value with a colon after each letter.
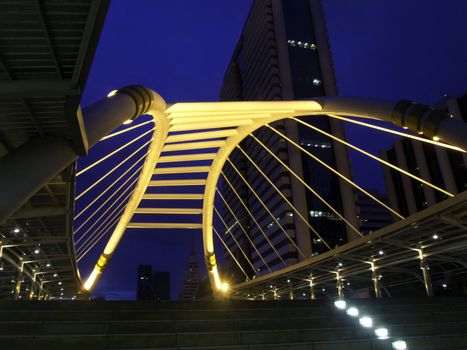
x: 158, y: 138
x: 200, y: 123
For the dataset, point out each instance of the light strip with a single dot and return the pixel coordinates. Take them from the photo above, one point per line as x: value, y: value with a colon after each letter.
x: 243, y: 229
x: 287, y: 201
x: 108, y: 199
x: 85, y: 250
x: 125, y: 130
x: 337, y: 173
x: 375, y: 157
x: 309, y: 188
x: 254, y: 220
x: 233, y: 237
x: 112, y: 170
x: 225, y: 245
x: 266, y: 207
x: 390, y: 131
x: 112, y: 153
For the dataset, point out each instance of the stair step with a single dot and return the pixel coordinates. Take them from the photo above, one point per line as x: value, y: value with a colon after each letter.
x: 230, y: 324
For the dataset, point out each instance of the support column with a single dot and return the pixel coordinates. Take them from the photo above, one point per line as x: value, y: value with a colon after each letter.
x: 28, y: 168
x: 339, y: 285
x: 376, y: 281
x: 39, y: 294
x: 312, y: 289
x: 19, y: 281
x: 426, y: 273
x: 32, y: 289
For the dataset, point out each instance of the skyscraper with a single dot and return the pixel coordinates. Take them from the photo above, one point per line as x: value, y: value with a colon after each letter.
x: 161, y: 285
x: 371, y: 215
x: 152, y: 285
x: 442, y: 167
x: 283, y: 54
x: 144, y: 283
x: 192, y: 279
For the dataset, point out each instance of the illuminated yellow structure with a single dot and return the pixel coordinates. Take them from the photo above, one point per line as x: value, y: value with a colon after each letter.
x: 223, y: 125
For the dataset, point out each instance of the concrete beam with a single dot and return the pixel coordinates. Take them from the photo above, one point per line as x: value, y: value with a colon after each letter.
x: 39, y: 212
x: 37, y: 88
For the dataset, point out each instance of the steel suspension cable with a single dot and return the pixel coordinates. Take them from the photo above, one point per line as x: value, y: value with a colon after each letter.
x: 104, y: 222
x: 113, y: 152
x: 335, y: 211
x: 105, y: 231
x: 111, y: 171
x: 305, y: 221
x: 253, y: 218
x: 85, y: 247
x: 109, y: 187
x: 227, y: 248
x: 125, y: 130
x: 390, y: 131
x: 243, y: 229
x: 234, y: 239
x: 112, y: 216
x: 265, y: 207
x: 109, y: 198
x: 106, y: 219
x: 336, y: 172
x: 374, y: 157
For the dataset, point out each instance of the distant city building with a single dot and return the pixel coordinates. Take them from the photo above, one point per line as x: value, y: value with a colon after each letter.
x: 371, y: 215
x: 152, y: 285
x: 192, y: 279
x: 442, y: 167
x: 283, y: 54
x: 161, y: 285
x: 144, y: 283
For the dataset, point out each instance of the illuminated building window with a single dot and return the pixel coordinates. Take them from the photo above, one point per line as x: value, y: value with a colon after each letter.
x: 231, y: 227
x: 315, y: 144
x: 323, y: 214
x: 302, y: 44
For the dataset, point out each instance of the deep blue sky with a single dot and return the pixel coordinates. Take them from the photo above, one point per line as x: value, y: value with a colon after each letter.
x: 388, y: 49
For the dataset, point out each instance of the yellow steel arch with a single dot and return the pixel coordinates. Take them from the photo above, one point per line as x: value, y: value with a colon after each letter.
x: 200, y: 125
x: 158, y: 137
x: 233, y: 121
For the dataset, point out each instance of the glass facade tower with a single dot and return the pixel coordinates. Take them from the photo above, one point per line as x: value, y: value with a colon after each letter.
x: 283, y: 54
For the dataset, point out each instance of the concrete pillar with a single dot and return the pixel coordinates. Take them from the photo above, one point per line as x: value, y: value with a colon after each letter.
x: 339, y: 286
x: 27, y: 169
x: 312, y: 292
x: 426, y: 273
x: 18, y: 281
x: 376, y: 284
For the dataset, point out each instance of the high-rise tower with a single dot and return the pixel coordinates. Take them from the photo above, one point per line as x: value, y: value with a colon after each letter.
x: 283, y: 54
x: 442, y: 167
x: 192, y: 277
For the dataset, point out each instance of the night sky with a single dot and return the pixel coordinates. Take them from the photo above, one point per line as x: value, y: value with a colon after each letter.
x: 384, y: 49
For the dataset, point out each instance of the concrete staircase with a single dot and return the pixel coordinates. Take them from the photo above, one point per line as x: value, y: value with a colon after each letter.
x: 424, y: 323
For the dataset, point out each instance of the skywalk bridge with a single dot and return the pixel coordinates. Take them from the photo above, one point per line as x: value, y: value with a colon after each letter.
x: 155, y: 166
x: 125, y: 191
